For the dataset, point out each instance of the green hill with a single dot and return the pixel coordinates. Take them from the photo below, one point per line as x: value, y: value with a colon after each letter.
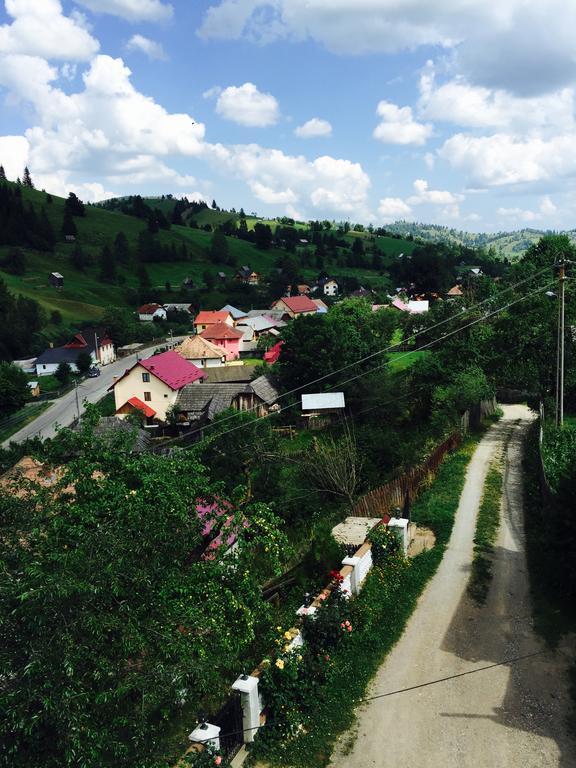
x: 85, y: 295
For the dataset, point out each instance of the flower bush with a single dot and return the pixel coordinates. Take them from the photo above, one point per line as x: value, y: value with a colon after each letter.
x: 322, y: 630
x: 384, y: 542
x: 209, y: 757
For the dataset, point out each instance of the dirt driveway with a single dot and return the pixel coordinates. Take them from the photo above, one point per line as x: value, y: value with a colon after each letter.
x: 509, y: 716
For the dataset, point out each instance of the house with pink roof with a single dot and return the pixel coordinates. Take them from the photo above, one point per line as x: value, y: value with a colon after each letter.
x: 152, y: 385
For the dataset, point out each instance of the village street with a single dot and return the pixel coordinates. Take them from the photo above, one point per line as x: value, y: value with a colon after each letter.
x: 508, y: 716
x: 63, y: 411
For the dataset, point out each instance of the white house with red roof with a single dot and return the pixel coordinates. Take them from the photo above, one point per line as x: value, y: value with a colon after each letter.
x: 296, y: 306
x: 151, y: 386
x: 207, y: 318
x: 225, y: 337
x: 150, y: 312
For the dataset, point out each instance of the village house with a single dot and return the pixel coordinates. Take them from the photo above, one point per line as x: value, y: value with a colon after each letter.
x: 296, y: 306
x: 455, y: 292
x: 99, y: 347
x: 208, y: 318
x: 237, y: 314
x: 328, y: 286
x: 149, y: 312
x: 273, y: 354
x: 201, y: 404
x: 225, y: 337
x: 247, y: 276
x: 151, y: 386
x: 201, y: 352
x: 185, y: 308
x: 303, y: 289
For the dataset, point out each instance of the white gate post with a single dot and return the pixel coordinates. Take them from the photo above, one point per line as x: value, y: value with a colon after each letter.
x: 250, y: 701
x: 206, y: 733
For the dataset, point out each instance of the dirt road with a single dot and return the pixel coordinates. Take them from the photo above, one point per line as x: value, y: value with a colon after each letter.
x: 510, y: 716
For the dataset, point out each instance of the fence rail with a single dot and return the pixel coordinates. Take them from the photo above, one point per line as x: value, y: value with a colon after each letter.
x: 405, y: 488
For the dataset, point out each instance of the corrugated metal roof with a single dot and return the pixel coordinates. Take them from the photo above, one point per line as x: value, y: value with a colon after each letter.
x: 323, y: 401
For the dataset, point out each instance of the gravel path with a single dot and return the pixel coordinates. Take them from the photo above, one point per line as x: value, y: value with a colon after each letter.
x: 510, y: 716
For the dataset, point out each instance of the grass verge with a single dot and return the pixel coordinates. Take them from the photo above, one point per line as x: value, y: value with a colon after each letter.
x: 487, y: 526
x: 20, y: 419
x: 380, y: 614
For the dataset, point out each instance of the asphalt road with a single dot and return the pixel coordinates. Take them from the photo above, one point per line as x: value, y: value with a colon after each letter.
x: 65, y: 409
x: 512, y: 715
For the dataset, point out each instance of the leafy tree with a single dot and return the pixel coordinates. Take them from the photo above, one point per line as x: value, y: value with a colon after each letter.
x: 209, y: 279
x: 121, y: 249
x: 111, y: 606
x: 14, y: 391
x: 74, y: 206
x: 79, y: 259
x: 218, y: 251
x: 63, y: 373
x: 120, y: 325
x: 56, y: 317
x: 84, y: 362
x: 68, y: 225
x: 262, y: 236
x: 107, y: 265
x: 27, y: 179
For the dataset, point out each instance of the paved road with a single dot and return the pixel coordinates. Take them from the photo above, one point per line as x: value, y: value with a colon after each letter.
x: 511, y: 716
x: 64, y: 410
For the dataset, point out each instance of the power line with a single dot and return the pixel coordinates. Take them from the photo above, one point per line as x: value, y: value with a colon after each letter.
x: 386, y: 362
x: 386, y: 694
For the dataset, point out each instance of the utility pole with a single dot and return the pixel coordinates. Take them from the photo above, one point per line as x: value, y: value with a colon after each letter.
x: 77, y: 402
x: 560, y: 347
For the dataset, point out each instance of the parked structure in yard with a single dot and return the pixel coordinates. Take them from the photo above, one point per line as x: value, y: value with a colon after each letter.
x: 208, y: 318
x: 201, y: 352
x: 56, y: 280
x: 296, y: 306
x: 151, y: 386
x: 225, y: 337
x: 320, y: 409
x: 149, y: 312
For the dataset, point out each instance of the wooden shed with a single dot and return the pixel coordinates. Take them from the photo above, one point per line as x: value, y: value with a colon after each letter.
x: 56, y: 279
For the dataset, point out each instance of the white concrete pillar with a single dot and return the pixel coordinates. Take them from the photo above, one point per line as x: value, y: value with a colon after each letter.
x: 399, y: 525
x: 206, y: 734
x: 250, y: 701
x: 355, y: 575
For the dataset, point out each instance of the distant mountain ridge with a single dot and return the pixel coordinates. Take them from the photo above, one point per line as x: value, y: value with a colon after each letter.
x: 509, y: 245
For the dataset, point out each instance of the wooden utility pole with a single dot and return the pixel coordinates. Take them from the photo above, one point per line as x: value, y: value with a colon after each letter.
x: 560, y: 348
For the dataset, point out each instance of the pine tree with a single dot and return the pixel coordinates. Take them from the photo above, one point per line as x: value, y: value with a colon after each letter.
x: 107, y: 265
x: 2, y: 173
x: 68, y: 226
x: 27, y: 179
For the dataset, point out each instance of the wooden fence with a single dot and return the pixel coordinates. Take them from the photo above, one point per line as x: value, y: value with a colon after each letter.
x: 404, y: 489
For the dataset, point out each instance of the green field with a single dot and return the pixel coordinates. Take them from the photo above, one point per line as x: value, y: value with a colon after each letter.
x: 399, y: 361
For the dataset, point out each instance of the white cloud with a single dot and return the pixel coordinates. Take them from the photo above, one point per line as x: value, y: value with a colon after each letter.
x: 113, y: 134
x: 398, y: 126
x: 461, y: 103
x: 39, y: 28
x: 503, y: 158
x: 14, y: 152
x: 433, y: 196
x: 270, y: 196
x: 430, y: 160
x: 132, y: 10
x: 547, y: 207
x: 392, y: 208
x: 314, y: 128
x: 151, y: 48
x: 212, y: 93
x: 518, y: 214
x: 524, y: 47
x: 246, y: 105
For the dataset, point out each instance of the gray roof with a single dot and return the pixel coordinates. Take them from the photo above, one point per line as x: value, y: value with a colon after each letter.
x: 60, y: 355
x: 323, y: 401
x: 229, y: 374
x: 262, y: 322
x: 275, y: 314
x: 265, y: 390
x: 236, y: 313
x: 211, y: 399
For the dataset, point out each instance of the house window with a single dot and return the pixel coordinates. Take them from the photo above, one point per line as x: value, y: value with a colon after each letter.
x: 145, y: 377
x: 147, y: 396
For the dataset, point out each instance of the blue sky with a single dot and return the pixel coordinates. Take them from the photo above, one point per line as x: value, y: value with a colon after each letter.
x: 439, y: 111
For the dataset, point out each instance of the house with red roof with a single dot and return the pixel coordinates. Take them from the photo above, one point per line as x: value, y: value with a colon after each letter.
x: 273, y: 354
x: 150, y: 312
x: 296, y: 306
x: 152, y: 385
x: 207, y: 318
x: 225, y: 337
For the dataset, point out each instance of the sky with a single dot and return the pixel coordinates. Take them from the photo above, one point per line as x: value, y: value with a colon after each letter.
x: 452, y: 112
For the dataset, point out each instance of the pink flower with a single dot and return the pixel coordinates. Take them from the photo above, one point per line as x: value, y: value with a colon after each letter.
x: 349, y: 629
x: 323, y: 596
x: 347, y: 623
x: 217, y: 760
x: 343, y: 625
